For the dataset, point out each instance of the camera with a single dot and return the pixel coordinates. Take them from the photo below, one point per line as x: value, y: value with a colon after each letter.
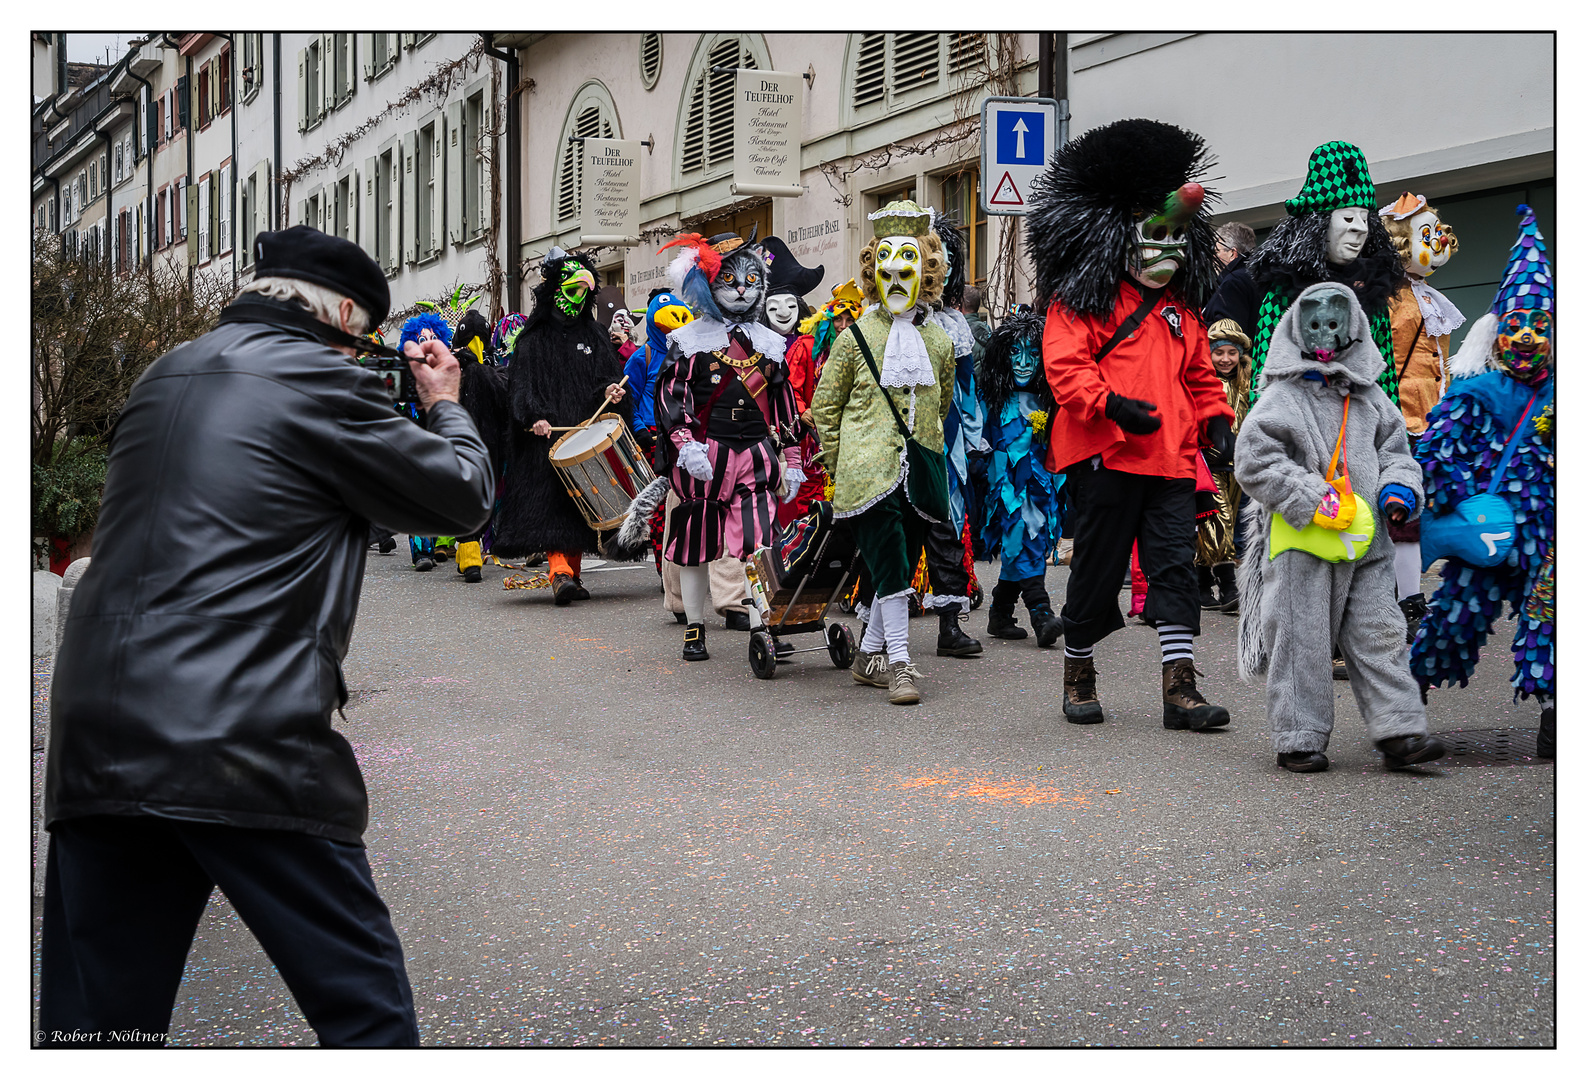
x: 397, y: 376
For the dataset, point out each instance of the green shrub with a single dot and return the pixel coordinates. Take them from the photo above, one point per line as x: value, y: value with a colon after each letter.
x: 66, y: 491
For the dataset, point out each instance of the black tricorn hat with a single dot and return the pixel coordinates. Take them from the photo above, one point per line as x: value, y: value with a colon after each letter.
x: 784, y: 273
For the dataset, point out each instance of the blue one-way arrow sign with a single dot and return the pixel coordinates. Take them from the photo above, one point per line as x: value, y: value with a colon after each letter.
x: 1018, y: 141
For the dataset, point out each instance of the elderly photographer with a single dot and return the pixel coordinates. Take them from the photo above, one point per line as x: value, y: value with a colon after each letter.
x: 191, y: 743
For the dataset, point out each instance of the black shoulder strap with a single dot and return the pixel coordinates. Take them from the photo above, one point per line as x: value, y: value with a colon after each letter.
x: 1420, y: 323
x: 870, y: 362
x: 1148, y: 299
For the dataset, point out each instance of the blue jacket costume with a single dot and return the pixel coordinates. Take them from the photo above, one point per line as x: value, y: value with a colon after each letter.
x: 664, y: 314
x: 1465, y: 438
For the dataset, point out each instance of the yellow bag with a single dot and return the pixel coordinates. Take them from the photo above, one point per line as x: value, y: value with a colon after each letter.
x: 1344, y: 536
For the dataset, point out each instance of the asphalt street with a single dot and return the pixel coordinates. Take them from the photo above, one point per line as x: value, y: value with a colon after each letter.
x: 585, y: 841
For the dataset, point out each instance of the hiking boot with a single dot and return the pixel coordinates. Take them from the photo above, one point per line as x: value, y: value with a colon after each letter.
x: 1000, y: 624
x: 424, y: 563
x: 1415, y: 609
x: 1403, y: 750
x: 952, y: 641
x: 694, y: 642
x: 903, y: 690
x: 1209, y: 601
x: 1228, y: 591
x: 1303, y: 761
x: 870, y: 669
x: 1080, y: 691
x: 1048, y: 626
x: 1545, y: 734
x: 564, y: 590
x: 1183, y: 705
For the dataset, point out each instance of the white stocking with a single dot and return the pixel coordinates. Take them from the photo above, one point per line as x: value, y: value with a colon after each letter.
x: 874, y: 641
x: 1407, y: 568
x: 893, y: 614
x: 694, y: 582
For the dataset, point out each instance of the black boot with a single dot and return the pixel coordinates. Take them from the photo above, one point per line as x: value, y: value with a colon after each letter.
x: 1303, y: 761
x: 1228, y: 591
x: 1000, y: 617
x: 1209, y: 602
x: 1545, y: 734
x: 1415, y: 608
x: 952, y: 641
x: 694, y: 642
x: 1046, y: 625
x: 1403, y: 750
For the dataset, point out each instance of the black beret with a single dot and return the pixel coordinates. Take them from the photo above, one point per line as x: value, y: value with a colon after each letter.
x: 310, y: 255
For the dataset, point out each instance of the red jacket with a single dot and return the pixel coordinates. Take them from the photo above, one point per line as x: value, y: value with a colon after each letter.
x: 1153, y: 364
x: 802, y: 371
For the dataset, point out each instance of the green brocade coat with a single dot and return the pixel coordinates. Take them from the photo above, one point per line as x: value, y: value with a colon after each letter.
x: 862, y: 448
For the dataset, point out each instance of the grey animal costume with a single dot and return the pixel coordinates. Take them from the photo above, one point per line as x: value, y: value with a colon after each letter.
x: 1284, y: 448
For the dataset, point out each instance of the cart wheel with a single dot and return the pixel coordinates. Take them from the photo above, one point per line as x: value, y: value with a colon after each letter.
x: 762, y: 655
x: 976, y: 596
x: 840, y: 645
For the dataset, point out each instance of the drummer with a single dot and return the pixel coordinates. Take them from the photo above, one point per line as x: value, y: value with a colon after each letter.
x: 564, y: 365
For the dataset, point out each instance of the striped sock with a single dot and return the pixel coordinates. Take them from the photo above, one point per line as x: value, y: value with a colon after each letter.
x: 1078, y: 654
x: 1176, y: 641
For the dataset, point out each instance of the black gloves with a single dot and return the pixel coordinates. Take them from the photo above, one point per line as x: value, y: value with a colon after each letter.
x: 1131, y: 414
x: 1220, y: 445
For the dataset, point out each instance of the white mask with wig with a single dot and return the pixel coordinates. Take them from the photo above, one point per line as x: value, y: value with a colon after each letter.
x: 1347, y: 234
x: 782, y: 312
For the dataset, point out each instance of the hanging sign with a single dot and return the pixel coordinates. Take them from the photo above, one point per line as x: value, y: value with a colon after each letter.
x: 609, y: 214
x: 1019, y: 137
x: 768, y: 115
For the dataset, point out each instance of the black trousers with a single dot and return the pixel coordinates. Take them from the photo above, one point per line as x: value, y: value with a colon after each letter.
x: 1111, y: 512
x: 122, y: 900
x: 945, y: 560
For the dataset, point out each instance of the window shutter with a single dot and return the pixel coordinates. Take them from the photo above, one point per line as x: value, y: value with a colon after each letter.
x: 393, y: 195
x: 410, y: 206
x: 350, y: 54
x: 214, y: 88
x: 327, y: 71
x: 693, y: 156
x: 214, y: 213
x: 719, y: 101
x: 870, y: 72
x: 408, y: 40
x: 965, y: 51
x: 366, y: 49
x: 303, y: 212
x: 184, y: 104
x: 190, y: 222
x: 265, y: 200
x: 355, y: 221
x: 456, y: 148
x: 303, y: 89
x: 369, y: 219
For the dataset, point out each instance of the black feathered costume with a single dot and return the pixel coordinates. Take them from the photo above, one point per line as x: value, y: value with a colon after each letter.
x: 561, y: 367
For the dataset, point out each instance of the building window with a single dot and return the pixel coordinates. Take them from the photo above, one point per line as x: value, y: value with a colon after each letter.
x: 421, y: 40
x: 223, y: 241
x: 161, y: 201
x: 649, y: 59
x: 203, y: 97
x: 180, y: 195
x: 93, y: 180
x: 475, y: 197
x: 165, y: 114
x: 383, y: 55
x: 961, y: 195
x: 344, y: 208
x: 203, y: 218
x: 708, y: 122
x: 119, y: 166
x: 899, y: 194
x: 338, y: 60
x: 311, y: 84
x: 588, y: 124
x: 427, y: 210
x: 385, y: 207
x: 892, y: 70
x: 223, y: 79
x: 252, y: 64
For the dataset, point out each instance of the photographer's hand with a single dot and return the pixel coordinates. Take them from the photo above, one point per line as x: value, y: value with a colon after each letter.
x: 435, y: 371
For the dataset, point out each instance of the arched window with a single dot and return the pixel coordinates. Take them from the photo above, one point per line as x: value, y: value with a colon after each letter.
x: 592, y: 115
x: 705, y: 116
x: 890, y: 71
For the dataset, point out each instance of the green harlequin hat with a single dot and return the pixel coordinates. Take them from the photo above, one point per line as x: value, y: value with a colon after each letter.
x: 1336, y: 177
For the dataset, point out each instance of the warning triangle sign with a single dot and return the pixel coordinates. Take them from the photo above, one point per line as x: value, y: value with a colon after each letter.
x: 1006, y: 193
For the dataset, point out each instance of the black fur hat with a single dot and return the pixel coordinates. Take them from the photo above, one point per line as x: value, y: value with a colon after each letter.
x: 946, y: 226
x: 995, y: 379
x: 1084, y: 207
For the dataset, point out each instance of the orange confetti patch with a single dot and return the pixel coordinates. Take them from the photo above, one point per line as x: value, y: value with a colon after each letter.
x: 954, y: 784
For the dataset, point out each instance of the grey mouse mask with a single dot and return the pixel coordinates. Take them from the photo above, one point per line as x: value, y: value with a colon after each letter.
x: 1324, y: 325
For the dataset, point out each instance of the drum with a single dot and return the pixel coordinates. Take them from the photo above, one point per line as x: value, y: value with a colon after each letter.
x: 602, y: 468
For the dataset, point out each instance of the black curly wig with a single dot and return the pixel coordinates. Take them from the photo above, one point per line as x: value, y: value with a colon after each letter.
x: 947, y: 228
x: 995, y: 379
x: 1295, y: 256
x: 551, y: 274
x: 1081, y: 228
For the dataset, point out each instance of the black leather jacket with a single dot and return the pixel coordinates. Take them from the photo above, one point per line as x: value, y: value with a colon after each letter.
x: 201, y: 660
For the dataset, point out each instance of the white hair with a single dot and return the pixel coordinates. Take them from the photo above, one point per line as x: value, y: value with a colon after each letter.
x: 323, y: 303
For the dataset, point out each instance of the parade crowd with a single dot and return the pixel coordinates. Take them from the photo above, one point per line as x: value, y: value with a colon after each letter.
x: 1276, y: 432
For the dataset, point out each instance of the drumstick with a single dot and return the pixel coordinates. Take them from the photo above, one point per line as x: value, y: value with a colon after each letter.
x: 605, y: 402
